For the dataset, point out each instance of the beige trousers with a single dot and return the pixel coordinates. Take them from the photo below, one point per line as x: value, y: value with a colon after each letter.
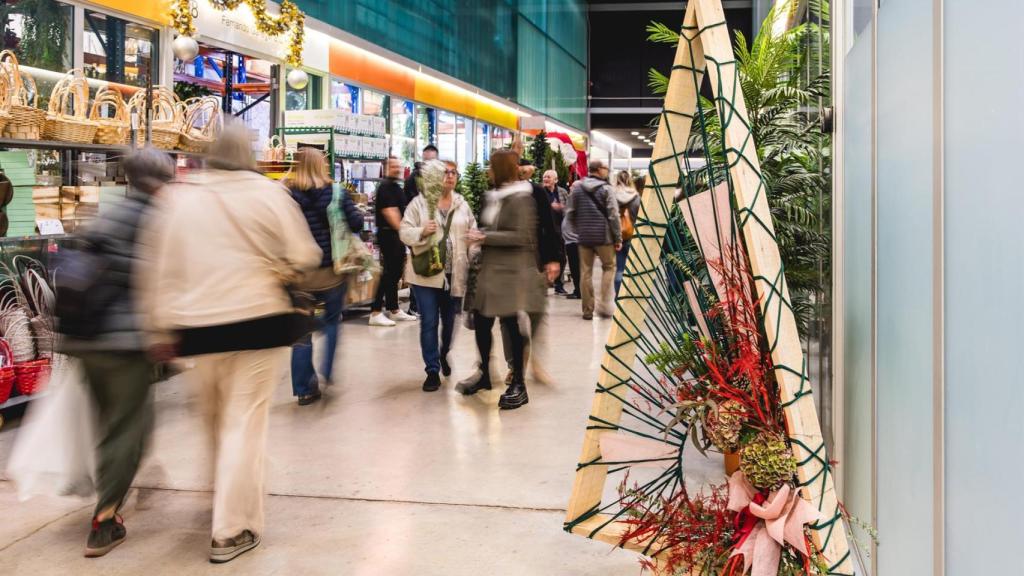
x: 234, y: 392
x: 607, y: 255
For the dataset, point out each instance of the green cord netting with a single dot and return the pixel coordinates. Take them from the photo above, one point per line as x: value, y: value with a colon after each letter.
x: 657, y: 279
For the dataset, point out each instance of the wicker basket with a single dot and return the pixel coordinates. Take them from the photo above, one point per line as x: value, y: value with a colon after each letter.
x: 203, y: 123
x: 110, y: 113
x: 7, y: 376
x: 168, y: 115
x: 67, y: 117
x: 31, y: 377
x: 26, y: 119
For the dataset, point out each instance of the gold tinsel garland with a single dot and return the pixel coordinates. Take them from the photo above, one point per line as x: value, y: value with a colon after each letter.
x: 290, y: 18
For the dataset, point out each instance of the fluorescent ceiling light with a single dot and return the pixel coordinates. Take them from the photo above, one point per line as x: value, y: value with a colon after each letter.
x: 635, y: 133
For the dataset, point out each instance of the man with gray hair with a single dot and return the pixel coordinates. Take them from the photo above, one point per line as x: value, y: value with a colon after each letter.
x: 593, y: 214
x: 559, y: 198
x: 113, y: 352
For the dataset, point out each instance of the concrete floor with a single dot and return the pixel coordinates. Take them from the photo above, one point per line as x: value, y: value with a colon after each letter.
x: 378, y: 479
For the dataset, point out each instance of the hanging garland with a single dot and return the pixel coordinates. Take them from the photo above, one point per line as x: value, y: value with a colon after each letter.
x: 291, y: 18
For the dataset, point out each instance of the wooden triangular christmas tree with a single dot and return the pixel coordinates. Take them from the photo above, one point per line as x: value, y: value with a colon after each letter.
x: 705, y: 349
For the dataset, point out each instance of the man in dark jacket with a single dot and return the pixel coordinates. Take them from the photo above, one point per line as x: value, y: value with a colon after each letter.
x: 114, y: 359
x: 593, y: 214
x: 411, y: 183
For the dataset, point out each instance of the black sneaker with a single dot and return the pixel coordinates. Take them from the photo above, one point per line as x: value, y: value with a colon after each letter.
x: 432, y: 383
x: 310, y: 398
x: 104, y: 536
x: 446, y: 368
x: 573, y: 297
x: 227, y: 550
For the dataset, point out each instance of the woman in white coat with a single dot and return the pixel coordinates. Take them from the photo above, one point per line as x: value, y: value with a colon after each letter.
x: 439, y: 296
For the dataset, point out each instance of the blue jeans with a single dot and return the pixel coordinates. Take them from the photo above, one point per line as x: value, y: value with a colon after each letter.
x: 620, y: 263
x: 304, y: 381
x: 437, y: 307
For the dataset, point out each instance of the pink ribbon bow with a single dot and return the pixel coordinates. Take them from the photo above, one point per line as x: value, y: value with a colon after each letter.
x: 778, y: 520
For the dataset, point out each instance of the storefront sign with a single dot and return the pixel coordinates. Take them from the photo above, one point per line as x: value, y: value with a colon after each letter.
x: 236, y: 30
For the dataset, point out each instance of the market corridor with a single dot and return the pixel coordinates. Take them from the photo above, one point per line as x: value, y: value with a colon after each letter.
x: 378, y: 479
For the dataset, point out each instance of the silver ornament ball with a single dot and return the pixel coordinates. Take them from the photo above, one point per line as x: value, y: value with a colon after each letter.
x: 298, y: 79
x: 185, y: 47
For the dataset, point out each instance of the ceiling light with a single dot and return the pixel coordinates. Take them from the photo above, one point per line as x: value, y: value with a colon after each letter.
x: 635, y: 133
x: 640, y: 137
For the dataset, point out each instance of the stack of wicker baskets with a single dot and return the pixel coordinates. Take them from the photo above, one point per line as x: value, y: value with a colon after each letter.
x: 203, y: 123
x: 167, y: 116
x: 67, y: 117
x: 110, y: 113
x: 26, y: 119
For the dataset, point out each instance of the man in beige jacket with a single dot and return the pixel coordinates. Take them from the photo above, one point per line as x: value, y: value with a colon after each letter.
x: 220, y: 247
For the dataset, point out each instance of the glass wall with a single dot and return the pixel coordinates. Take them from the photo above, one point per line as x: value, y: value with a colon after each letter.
x: 403, y: 131
x: 372, y: 103
x: 41, y: 34
x: 119, y: 51
x: 344, y: 96
x: 483, y: 142
x: 463, y: 141
x: 308, y: 98
x: 446, y: 137
x: 481, y: 45
x: 425, y: 128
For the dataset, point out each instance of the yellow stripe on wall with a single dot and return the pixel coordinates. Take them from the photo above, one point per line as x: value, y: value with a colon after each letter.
x: 157, y: 11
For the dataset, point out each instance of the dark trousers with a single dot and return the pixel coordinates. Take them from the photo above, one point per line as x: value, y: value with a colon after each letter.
x: 483, y: 326
x: 392, y: 259
x: 437, y: 308
x: 304, y: 380
x: 560, y: 282
x: 120, y: 383
x: 572, y: 254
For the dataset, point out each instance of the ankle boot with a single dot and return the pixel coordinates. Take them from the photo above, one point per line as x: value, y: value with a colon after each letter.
x: 515, y: 396
x: 475, y: 383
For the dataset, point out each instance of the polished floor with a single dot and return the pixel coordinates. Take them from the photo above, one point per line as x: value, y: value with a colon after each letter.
x: 378, y: 479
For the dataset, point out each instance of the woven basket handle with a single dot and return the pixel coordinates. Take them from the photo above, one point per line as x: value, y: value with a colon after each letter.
x: 203, y: 117
x: 73, y: 90
x: 109, y: 99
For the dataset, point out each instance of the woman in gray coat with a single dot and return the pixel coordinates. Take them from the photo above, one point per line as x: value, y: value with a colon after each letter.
x: 508, y: 282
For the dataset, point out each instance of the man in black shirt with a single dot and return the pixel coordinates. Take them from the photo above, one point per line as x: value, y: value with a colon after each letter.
x: 411, y: 184
x: 389, y: 206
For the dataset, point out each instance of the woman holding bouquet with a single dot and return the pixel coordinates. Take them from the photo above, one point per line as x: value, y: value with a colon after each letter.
x: 434, y: 227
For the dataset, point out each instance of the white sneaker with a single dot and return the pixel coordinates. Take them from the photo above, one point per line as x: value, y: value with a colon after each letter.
x: 402, y: 316
x: 380, y: 319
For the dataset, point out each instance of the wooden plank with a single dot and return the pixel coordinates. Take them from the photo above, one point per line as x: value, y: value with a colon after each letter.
x: 766, y: 264
x: 676, y: 119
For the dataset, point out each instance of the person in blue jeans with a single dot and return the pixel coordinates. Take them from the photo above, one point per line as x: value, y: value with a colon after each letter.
x: 438, y: 217
x: 628, y: 199
x: 312, y: 189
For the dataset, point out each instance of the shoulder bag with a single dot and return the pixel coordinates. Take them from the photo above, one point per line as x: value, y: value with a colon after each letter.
x: 430, y: 262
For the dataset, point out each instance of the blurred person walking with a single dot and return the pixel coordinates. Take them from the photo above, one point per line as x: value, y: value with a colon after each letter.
x: 558, y: 198
x: 412, y: 182
x: 627, y: 197
x: 444, y: 225
x: 118, y: 372
x: 594, y: 214
x: 313, y: 190
x: 223, y: 247
x: 411, y: 191
x: 508, y: 282
x: 572, y: 256
x: 389, y: 206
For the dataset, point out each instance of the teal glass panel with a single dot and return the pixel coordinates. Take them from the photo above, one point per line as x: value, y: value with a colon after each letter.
x: 478, y: 42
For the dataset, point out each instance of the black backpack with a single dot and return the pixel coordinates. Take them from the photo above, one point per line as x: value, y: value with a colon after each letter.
x: 83, y: 295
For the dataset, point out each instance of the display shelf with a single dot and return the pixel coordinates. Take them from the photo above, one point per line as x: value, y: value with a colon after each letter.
x: 305, y: 130
x: 59, y: 145
x: 20, y: 399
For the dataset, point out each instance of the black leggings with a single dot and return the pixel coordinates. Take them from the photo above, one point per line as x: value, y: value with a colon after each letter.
x: 392, y: 259
x: 483, y: 325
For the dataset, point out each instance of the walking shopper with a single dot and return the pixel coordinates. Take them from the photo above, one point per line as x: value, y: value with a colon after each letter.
x: 559, y: 198
x: 221, y: 248
x: 113, y: 357
x: 508, y: 283
x: 438, y: 217
x: 412, y: 182
x: 628, y: 199
x: 389, y: 206
x: 572, y: 256
x: 313, y: 190
x: 594, y: 215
